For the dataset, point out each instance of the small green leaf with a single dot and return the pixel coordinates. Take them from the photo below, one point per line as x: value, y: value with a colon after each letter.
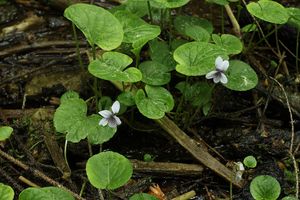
x: 126, y: 98
x: 197, y: 58
x: 46, y: 193
x: 230, y: 43
x: 137, y: 7
x: 104, y: 103
x: 136, y: 31
x: 183, y: 22
x: 265, y: 187
x: 241, y: 76
x: 295, y: 17
x: 6, y: 192
x: 269, y: 11
x: 172, y: 3
x: 198, y: 94
x: 161, y: 53
x: 70, y: 118
x: 98, y: 25
x: 156, y: 103
x: 97, y: 134
x: 108, y: 170
x: 154, y: 73
x: 250, y: 162
x: 143, y: 196
x: 249, y: 28
x: 69, y: 95
x: 112, y: 66
x: 5, y: 132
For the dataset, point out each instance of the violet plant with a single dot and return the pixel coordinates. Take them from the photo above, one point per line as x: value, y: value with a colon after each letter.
x: 198, y: 53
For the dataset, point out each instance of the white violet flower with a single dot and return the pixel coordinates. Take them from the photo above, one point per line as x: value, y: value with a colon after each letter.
x: 219, y: 73
x: 109, y: 117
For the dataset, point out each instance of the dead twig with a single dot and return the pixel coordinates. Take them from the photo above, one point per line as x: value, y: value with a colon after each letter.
x: 292, y: 138
x: 38, y: 174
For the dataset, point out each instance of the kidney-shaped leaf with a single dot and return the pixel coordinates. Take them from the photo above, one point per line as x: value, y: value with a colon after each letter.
x: 183, y: 22
x: 98, y: 134
x: 241, y: 76
x: 230, y: 43
x: 46, y: 193
x: 154, y: 73
x: 269, y: 11
x: 111, y: 66
x: 197, y: 58
x: 70, y: 118
x: 161, y: 52
x: 108, y: 170
x: 136, y: 31
x: 98, y: 25
x: 6, y: 192
x: 5, y: 132
x: 265, y: 187
x: 156, y: 103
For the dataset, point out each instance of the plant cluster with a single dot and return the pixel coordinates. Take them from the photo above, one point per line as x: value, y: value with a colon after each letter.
x: 178, y: 46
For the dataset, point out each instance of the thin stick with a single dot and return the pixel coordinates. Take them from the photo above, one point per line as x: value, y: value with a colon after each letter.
x: 292, y: 137
x: 28, y: 182
x: 38, y: 174
x: 235, y: 24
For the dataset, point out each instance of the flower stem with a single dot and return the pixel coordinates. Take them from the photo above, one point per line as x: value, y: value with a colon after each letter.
x: 235, y: 24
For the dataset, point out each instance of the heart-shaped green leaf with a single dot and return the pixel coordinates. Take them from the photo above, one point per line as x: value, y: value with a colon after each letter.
x: 5, y: 132
x: 161, y: 53
x: 108, y: 170
x: 98, y: 25
x: 183, y: 22
x: 70, y: 118
x: 154, y: 73
x: 46, y: 193
x: 156, y: 103
x: 269, y: 11
x: 137, y: 7
x: 241, y: 76
x: 6, y: 192
x: 112, y: 66
x: 230, y: 43
x: 136, y: 31
x: 197, y: 58
x: 172, y: 3
x: 198, y: 94
x: 126, y: 98
x: 97, y: 134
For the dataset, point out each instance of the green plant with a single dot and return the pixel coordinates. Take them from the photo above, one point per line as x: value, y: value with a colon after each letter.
x: 46, y: 193
x: 250, y: 161
x: 265, y: 187
x: 5, y: 132
x: 108, y: 170
x: 6, y: 192
x: 198, y: 52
